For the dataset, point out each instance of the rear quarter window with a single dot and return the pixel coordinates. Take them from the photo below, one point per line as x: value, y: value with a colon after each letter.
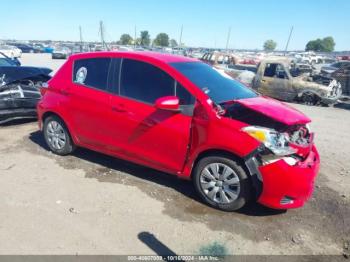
x: 92, y: 72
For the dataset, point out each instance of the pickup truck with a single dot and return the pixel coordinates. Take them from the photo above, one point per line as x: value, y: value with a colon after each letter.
x: 276, y: 78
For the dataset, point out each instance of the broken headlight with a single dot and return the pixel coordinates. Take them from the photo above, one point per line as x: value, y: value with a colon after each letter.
x: 276, y: 142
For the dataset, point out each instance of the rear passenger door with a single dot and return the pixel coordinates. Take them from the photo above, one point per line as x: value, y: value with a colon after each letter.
x: 89, y: 101
x: 157, y: 138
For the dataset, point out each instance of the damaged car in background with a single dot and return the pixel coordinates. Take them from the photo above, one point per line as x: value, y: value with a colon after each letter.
x: 19, y: 89
x: 279, y: 78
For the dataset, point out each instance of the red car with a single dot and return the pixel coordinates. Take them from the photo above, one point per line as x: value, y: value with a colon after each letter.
x: 180, y: 116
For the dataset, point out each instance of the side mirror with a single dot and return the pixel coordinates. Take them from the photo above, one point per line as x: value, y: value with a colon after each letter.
x: 168, y: 103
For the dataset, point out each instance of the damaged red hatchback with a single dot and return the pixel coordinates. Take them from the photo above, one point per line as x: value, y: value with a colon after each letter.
x: 183, y: 117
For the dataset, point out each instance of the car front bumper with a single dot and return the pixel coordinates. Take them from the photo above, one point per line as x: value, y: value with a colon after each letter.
x: 330, y: 100
x: 286, y: 186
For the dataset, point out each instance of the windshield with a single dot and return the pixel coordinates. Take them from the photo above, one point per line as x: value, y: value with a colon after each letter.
x: 218, y: 87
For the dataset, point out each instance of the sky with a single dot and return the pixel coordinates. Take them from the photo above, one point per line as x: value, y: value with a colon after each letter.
x: 205, y: 22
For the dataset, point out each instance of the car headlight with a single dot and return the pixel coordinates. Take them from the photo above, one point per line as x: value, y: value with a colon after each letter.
x: 277, y: 142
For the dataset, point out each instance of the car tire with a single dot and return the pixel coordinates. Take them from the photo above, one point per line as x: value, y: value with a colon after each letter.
x: 242, y: 189
x: 309, y: 99
x: 57, y: 136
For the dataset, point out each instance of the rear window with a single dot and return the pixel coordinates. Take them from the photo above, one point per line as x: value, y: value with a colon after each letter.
x: 92, y: 72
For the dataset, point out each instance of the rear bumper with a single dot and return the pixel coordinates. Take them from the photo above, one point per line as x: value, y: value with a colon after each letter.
x: 286, y: 186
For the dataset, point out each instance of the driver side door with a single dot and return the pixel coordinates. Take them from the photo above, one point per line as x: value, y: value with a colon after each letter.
x: 150, y: 136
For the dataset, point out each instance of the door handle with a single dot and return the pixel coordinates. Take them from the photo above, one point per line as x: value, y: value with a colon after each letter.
x: 64, y: 92
x: 119, y: 109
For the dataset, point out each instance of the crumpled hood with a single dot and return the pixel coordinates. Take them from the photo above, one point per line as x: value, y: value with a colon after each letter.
x: 15, y: 73
x: 274, y: 109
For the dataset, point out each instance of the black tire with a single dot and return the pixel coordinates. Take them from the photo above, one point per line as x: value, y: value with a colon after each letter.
x: 309, y: 99
x: 245, y: 193
x: 68, y: 147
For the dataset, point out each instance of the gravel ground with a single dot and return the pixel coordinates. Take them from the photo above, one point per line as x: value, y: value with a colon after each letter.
x: 89, y: 203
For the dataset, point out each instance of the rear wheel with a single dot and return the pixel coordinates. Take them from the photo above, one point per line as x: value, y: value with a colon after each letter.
x: 222, y: 183
x: 57, y: 136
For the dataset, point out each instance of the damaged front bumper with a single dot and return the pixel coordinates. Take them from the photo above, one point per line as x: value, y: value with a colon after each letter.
x: 287, y: 182
x: 7, y: 115
x: 334, y: 95
x: 330, y: 100
x: 18, y: 101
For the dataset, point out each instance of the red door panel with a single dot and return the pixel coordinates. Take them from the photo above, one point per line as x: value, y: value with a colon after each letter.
x: 92, y: 112
x: 156, y: 137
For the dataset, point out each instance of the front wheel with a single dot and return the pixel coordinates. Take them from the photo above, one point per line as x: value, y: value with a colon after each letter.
x: 222, y: 183
x: 57, y: 136
x: 309, y: 99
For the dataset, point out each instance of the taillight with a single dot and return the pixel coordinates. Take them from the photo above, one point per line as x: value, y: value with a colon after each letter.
x: 44, y: 87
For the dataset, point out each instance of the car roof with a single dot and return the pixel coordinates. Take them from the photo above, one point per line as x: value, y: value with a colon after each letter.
x: 161, y: 57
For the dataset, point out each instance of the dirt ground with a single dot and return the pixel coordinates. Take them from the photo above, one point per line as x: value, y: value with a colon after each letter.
x: 89, y: 203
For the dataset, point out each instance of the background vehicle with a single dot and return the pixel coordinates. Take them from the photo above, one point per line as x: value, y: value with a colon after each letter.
x: 10, y: 51
x: 61, y: 53
x: 180, y: 116
x: 342, y: 75
x: 19, y: 89
x: 25, y: 48
x: 219, y: 59
x: 274, y: 78
x: 329, y: 69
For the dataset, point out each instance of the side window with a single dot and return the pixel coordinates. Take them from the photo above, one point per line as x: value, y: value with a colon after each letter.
x: 270, y: 70
x: 92, y: 72
x: 184, y: 96
x: 275, y: 70
x: 280, y: 72
x: 144, y: 82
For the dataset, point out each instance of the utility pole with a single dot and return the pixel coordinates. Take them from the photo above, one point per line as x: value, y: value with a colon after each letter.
x: 81, y: 39
x: 135, y: 37
x: 290, y: 35
x: 180, y: 40
x: 228, y: 38
x: 102, y: 35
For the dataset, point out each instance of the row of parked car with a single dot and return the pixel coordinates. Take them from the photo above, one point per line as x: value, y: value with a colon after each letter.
x: 15, y: 49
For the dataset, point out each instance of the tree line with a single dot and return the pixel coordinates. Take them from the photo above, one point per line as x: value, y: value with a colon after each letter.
x: 326, y: 44
x: 162, y: 39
